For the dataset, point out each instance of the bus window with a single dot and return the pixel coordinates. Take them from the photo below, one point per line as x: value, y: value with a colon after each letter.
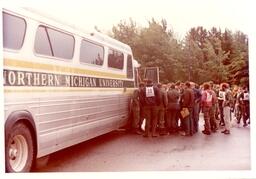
x: 115, y: 59
x: 91, y: 53
x: 54, y: 43
x: 129, y: 67
x: 14, y: 29
x: 42, y: 44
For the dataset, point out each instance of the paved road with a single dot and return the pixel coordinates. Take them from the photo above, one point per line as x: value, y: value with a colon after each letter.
x: 119, y: 151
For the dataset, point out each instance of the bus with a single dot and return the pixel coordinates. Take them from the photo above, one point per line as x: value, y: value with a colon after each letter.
x: 62, y: 86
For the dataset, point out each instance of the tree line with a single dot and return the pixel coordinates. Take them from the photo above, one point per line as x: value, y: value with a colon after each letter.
x: 202, y: 55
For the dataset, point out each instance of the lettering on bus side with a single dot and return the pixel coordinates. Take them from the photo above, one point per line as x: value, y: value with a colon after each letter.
x: 26, y: 78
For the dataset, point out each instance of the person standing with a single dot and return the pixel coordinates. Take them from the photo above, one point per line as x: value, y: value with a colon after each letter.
x: 213, y: 108
x: 227, y: 103
x: 245, y: 105
x: 187, y: 101
x: 238, y: 105
x: 137, y: 110
x: 207, y: 97
x: 196, y: 109
x: 162, y: 108
x: 150, y: 99
x: 216, y: 89
x: 173, y: 108
x: 220, y: 105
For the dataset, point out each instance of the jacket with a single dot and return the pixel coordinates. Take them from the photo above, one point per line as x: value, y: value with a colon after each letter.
x: 150, y: 96
x: 187, y: 98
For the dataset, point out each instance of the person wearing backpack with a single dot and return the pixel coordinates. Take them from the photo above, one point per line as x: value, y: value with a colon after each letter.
x: 206, y: 103
x: 150, y: 99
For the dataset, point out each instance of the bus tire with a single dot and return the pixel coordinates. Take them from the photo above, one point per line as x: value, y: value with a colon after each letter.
x: 19, y: 149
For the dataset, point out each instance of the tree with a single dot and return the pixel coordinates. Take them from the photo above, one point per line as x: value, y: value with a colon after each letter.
x: 128, y: 33
x: 239, y: 67
x: 217, y: 71
x: 157, y: 49
x: 152, y: 46
x: 198, y: 35
x: 201, y: 56
x: 193, y: 60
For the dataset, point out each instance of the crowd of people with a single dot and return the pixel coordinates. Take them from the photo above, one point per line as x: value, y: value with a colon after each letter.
x: 175, y: 108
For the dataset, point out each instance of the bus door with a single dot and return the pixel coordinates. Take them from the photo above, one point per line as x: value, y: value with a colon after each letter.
x: 151, y: 73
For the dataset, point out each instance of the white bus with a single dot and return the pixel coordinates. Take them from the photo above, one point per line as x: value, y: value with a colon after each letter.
x: 62, y: 86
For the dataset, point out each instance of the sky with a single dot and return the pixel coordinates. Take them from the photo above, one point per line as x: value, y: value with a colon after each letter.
x: 181, y: 15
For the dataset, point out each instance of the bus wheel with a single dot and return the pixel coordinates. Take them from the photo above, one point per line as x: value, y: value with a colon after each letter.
x: 19, y: 149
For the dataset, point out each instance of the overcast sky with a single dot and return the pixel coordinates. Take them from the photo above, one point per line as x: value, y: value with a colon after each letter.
x: 181, y: 15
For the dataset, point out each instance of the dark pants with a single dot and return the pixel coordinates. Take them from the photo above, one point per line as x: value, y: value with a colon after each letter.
x: 191, y: 121
x: 172, y: 120
x: 221, y: 111
x: 188, y: 123
x: 196, y: 117
x: 245, y: 111
x: 136, y: 118
x: 161, y: 118
x: 150, y: 113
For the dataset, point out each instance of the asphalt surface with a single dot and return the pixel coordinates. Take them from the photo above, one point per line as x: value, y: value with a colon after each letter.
x: 119, y: 151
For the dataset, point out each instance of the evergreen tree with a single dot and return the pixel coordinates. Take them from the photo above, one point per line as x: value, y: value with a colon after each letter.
x: 239, y: 68
x: 201, y: 56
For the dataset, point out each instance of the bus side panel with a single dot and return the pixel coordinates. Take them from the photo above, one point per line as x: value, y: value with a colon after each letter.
x: 75, y: 119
